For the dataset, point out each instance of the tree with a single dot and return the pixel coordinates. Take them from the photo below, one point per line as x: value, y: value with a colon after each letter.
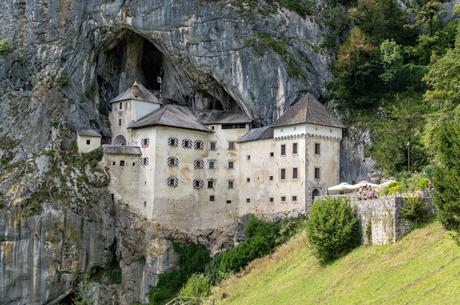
x: 197, y: 286
x: 332, y: 229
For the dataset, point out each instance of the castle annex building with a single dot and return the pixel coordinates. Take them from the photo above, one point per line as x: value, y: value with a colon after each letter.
x: 200, y: 170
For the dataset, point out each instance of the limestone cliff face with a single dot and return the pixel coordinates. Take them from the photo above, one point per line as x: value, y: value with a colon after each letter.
x: 65, y: 59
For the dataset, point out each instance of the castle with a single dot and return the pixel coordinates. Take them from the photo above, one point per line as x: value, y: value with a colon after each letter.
x: 204, y: 170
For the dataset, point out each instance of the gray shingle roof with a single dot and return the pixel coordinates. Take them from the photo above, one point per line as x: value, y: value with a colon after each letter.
x: 122, y: 150
x: 172, y: 116
x: 136, y: 92
x: 89, y: 133
x: 308, y: 110
x: 258, y: 134
x: 223, y: 117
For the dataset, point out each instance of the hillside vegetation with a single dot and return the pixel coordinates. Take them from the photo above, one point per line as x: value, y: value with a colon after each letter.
x: 422, y: 268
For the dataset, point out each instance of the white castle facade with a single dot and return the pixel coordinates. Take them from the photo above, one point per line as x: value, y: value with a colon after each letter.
x: 204, y: 170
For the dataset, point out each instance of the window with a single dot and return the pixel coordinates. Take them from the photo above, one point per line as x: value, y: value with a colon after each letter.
x: 317, y: 149
x: 198, y: 164
x: 294, y: 173
x: 119, y: 122
x: 294, y: 148
x: 283, y: 198
x: 283, y: 173
x: 122, y: 163
x: 120, y: 106
x: 248, y: 157
x: 172, y: 181
x: 173, y: 142
x: 271, y: 199
x: 294, y: 198
x: 248, y: 179
x: 270, y: 178
x: 145, y: 142
x: 248, y: 200
x: 231, y: 145
x: 114, y: 163
x: 210, y: 184
x: 213, y: 146
x: 231, y: 165
x: 134, y: 163
x: 88, y: 142
x: 317, y: 173
x: 145, y: 161
x: 272, y: 154
x: 211, y: 164
x: 212, y: 198
x: 231, y: 184
x: 173, y: 161
x: 199, y: 145
x: 229, y: 201
x: 233, y: 126
x: 198, y: 184
x: 213, y: 127
x: 283, y: 149
x: 186, y: 143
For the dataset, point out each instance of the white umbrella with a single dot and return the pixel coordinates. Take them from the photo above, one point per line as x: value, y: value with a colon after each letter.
x: 364, y: 183
x: 386, y: 183
x: 340, y: 187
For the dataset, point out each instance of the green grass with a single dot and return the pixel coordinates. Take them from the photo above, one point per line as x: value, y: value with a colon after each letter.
x: 422, y: 268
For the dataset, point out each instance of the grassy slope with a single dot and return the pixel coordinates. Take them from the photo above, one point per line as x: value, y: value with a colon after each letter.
x: 422, y: 268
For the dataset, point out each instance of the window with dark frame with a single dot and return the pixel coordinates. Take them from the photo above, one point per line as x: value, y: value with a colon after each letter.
x: 248, y: 200
x: 317, y: 173
x: 294, y: 148
x: 199, y: 145
x: 283, y: 149
x: 198, y: 184
x: 119, y: 122
x: 120, y: 106
x: 271, y: 199
x: 122, y: 163
x: 173, y: 142
x: 173, y: 161
x: 212, y: 198
x: 229, y: 201
x: 283, y: 173
x: 248, y: 179
x: 317, y: 149
x: 88, y: 142
x: 210, y: 184
x: 294, y: 198
x: 248, y: 157
x: 114, y: 163
x: 231, y: 184
x: 186, y: 143
x: 172, y: 181
x: 231, y: 145
x: 272, y: 154
x: 211, y: 164
x: 231, y: 165
x: 295, y: 173
x: 270, y: 178
x: 283, y: 198
x: 145, y: 161
x: 213, y: 146
x: 198, y: 164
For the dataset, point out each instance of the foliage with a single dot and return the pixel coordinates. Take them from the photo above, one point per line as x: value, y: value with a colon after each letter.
x: 416, y: 209
x: 4, y: 46
x: 193, y: 259
x: 333, y: 229
x: 301, y: 7
x: 198, y: 286
x: 63, y: 80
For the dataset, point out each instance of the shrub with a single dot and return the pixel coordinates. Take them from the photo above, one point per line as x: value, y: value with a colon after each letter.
x: 333, y: 229
x: 197, y: 286
x: 416, y: 210
x: 63, y: 80
x: 393, y: 188
x: 4, y: 46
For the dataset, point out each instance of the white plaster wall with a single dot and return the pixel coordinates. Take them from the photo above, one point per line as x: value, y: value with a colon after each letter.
x: 140, y: 109
x: 83, y: 147
x: 310, y: 129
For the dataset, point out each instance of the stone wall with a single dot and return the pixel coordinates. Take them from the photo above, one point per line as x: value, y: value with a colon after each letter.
x: 381, y: 219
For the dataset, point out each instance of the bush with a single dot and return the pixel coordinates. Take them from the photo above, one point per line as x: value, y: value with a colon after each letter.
x: 197, y: 286
x: 333, y: 229
x: 416, y: 210
x: 4, y: 46
x: 63, y: 80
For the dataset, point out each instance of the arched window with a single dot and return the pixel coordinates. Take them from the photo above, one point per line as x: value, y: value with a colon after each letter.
x: 314, y: 194
x: 145, y: 161
x: 174, y: 142
x: 198, y: 164
x: 173, y: 161
x: 186, y: 143
x: 198, y: 184
x: 145, y: 142
x: 172, y: 181
x: 199, y: 145
x: 119, y: 140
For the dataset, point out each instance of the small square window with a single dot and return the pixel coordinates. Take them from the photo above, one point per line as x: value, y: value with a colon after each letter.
x: 231, y: 184
x: 88, y: 142
x: 317, y: 149
x: 248, y: 157
x: 248, y: 200
x: 283, y: 173
x: 134, y: 163
x: 213, y: 146
x: 122, y: 163
x: 229, y: 201
x: 270, y: 178
x: 271, y: 199
x: 210, y: 184
x: 294, y: 198
x: 213, y: 127
x: 114, y: 163
x: 231, y: 145
x: 272, y: 154
x: 295, y: 173
x: 212, y: 198
x: 283, y: 198
x: 294, y: 148
x: 283, y: 149
x: 317, y: 173
x: 230, y: 165
x: 211, y: 165
x: 248, y: 179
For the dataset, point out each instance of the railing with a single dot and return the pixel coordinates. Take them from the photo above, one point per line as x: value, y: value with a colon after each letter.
x: 190, y: 301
